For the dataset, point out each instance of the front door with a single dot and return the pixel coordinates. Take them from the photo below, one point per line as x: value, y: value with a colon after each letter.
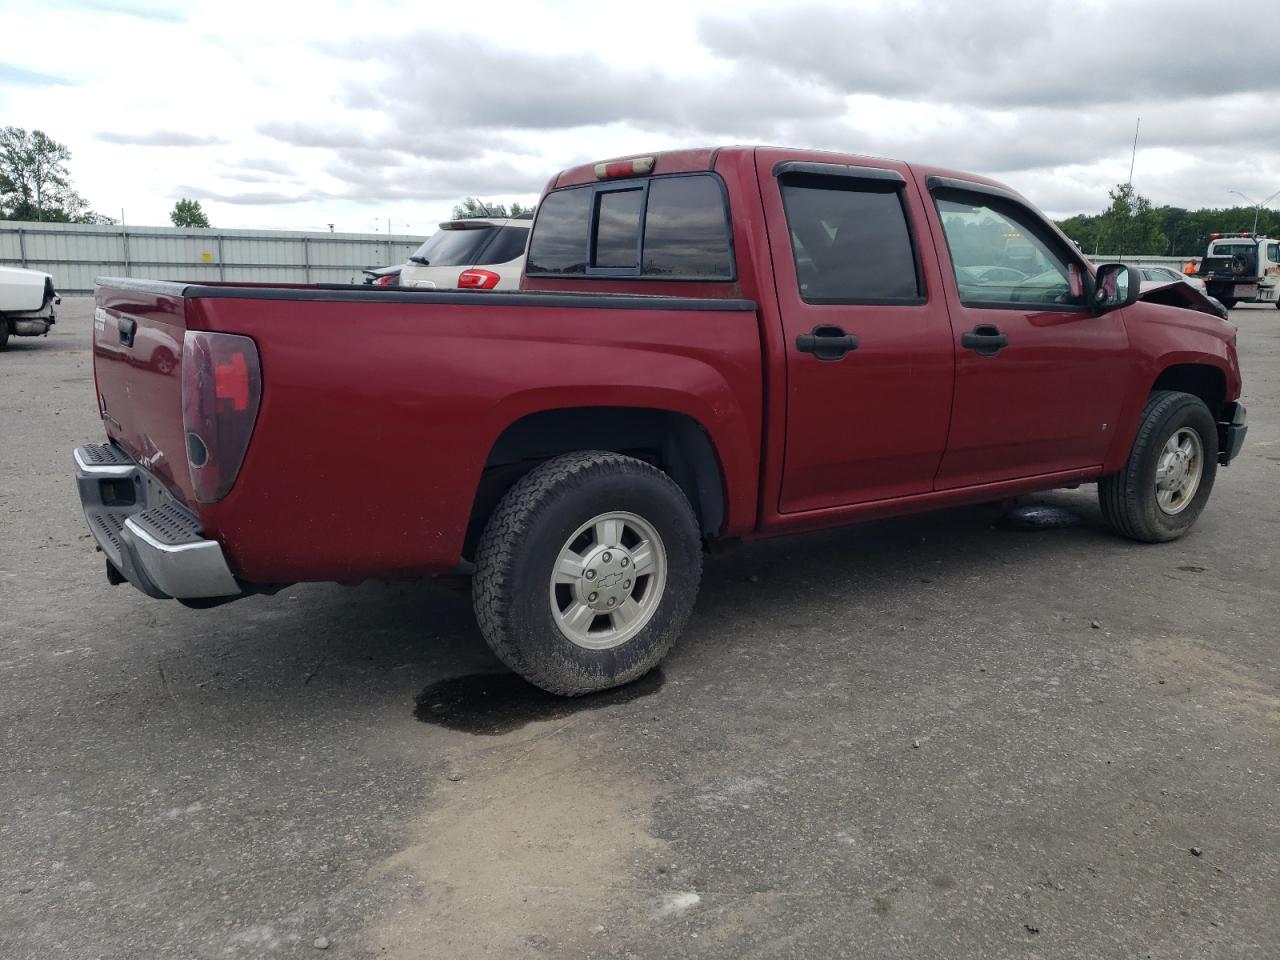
x: 1039, y: 377
x: 868, y: 343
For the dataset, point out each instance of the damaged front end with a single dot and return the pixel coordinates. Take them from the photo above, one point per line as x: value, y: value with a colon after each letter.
x: 1178, y: 294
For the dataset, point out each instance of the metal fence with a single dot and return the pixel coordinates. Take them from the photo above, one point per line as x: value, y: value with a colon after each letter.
x: 76, y: 253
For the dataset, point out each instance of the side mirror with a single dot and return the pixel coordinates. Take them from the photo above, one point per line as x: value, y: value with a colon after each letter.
x: 1115, y: 285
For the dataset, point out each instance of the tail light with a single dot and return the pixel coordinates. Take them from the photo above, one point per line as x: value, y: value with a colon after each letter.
x: 221, y: 391
x: 390, y: 280
x: 478, y: 279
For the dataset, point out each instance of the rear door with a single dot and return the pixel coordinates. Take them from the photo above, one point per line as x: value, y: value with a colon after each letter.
x: 869, y: 347
x: 1039, y: 378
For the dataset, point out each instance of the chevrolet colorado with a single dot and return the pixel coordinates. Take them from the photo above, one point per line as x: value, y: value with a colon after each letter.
x: 708, y: 345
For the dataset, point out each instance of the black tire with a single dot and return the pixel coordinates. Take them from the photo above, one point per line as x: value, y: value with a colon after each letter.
x: 4, y: 333
x: 1229, y: 302
x: 1128, y: 498
x: 511, y: 588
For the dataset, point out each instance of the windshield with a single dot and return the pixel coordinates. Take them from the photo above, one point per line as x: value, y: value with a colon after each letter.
x: 454, y: 248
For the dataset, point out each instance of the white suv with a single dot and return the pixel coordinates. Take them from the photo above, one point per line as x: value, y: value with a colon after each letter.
x: 483, y: 253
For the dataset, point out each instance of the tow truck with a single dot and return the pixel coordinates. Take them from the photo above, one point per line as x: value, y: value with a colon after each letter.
x: 1242, y: 268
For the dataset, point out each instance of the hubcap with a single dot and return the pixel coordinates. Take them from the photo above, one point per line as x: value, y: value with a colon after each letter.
x: 1178, y: 471
x: 608, y: 580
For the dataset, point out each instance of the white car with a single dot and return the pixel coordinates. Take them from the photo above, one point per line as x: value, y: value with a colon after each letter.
x: 27, y: 299
x: 1155, y: 276
x: 481, y: 253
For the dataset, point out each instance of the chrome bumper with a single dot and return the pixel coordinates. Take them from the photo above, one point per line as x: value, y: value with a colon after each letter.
x: 150, y: 539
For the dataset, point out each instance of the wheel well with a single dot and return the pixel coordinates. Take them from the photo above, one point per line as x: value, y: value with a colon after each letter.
x: 672, y: 442
x: 1206, y: 382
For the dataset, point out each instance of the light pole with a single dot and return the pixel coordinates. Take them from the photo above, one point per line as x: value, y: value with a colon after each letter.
x: 1257, y: 207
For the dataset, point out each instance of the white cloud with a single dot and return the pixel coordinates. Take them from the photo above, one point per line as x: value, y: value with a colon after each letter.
x: 352, y: 115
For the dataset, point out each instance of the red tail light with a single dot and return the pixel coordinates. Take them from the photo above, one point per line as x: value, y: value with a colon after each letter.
x: 390, y: 280
x: 478, y: 279
x: 221, y: 391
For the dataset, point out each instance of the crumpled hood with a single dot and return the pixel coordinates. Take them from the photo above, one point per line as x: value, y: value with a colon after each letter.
x: 1177, y: 294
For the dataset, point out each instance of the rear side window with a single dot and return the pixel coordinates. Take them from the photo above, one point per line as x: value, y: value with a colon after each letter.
x: 850, y: 240
x: 666, y: 228
x: 507, y: 244
x: 454, y: 247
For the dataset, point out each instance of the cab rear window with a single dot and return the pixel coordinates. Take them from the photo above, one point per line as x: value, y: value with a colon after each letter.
x: 667, y: 228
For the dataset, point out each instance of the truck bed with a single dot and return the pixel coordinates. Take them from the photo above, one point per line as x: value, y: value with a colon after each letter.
x: 380, y: 408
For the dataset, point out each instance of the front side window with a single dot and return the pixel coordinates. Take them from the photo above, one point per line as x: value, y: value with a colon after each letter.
x: 662, y: 228
x: 1002, y: 256
x: 850, y: 241
x: 1273, y: 252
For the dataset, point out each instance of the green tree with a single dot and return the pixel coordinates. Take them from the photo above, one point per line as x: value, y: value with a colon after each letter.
x: 1131, y: 225
x: 34, y: 181
x: 472, y: 207
x: 187, y: 213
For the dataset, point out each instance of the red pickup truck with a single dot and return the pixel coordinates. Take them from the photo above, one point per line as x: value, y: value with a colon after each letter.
x: 707, y: 345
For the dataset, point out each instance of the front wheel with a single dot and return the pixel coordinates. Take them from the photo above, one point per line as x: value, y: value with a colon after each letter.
x: 4, y: 333
x: 1170, y: 472
x: 587, y: 571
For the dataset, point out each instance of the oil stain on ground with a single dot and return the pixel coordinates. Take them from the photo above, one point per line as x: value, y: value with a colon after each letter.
x: 1038, y: 517
x: 492, y: 704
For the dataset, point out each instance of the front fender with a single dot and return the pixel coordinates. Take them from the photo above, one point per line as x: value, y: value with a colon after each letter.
x: 1160, y: 338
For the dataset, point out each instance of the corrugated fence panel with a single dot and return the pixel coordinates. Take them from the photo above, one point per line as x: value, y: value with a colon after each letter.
x: 75, y: 253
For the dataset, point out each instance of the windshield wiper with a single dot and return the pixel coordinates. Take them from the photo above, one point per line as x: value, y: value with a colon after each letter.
x: 421, y: 261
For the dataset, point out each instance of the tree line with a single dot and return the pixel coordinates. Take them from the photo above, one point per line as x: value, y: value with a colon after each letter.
x: 1133, y: 226
x: 35, y: 184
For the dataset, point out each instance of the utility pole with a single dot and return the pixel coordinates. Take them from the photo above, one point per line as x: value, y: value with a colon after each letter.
x: 1257, y: 207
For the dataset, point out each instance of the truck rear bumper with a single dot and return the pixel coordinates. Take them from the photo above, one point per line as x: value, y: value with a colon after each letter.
x: 150, y: 539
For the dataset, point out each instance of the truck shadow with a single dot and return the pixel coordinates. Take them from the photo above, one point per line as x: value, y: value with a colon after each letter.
x: 378, y: 638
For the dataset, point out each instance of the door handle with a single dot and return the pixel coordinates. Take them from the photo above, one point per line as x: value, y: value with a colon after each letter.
x: 827, y: 342
x: 126, y: 327
x: 984, y: 340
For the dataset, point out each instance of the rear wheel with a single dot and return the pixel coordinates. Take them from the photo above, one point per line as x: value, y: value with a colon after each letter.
x: 1170, y: 472
x: 4, y: 333
x: 1229, y: 302
x: 587, y: 571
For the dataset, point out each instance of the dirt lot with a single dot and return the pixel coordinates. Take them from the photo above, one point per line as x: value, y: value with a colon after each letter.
x: 932, y: 737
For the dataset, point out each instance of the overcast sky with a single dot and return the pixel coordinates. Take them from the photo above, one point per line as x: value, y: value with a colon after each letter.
x: 297, y: 116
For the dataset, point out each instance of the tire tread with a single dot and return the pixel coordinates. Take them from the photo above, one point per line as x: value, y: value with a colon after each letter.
x: 508, y: 526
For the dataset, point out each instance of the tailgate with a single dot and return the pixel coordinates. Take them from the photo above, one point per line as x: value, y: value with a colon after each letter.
x: 138, y: 330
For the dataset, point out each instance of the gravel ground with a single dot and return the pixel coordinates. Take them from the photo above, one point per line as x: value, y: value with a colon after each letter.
x: 930, y: 737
